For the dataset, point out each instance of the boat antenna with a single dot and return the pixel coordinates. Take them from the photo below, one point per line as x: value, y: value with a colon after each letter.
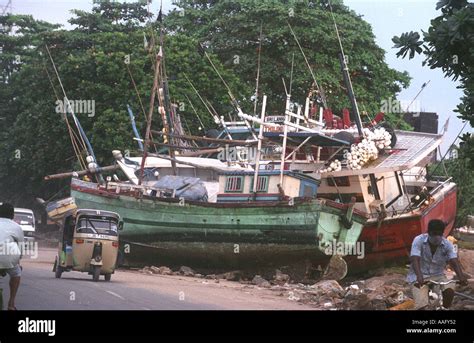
x: 320, y: 90
x: 417, y: 94
x: 347, y: 78
x: 423, y: 86
x: 258, y: 70
x: 429, y: 175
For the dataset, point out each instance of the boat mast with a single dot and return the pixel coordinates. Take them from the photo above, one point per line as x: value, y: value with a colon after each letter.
x: 163, y: 98
x: 355, y: 108
x: 350, y: 90
x: 258, y: 71
x: 150, y: 113
x: 347, y: 78
x: 285, y: 134
x: 169, y: 116
x: 259, y: 146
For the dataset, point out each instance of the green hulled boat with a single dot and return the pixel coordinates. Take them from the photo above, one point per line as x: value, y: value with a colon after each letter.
x: 239, y: 230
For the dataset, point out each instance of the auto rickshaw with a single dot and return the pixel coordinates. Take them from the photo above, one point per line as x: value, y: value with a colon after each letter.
x: 89, y: 243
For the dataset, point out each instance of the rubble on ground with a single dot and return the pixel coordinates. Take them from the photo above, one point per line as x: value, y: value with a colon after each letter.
x: 235, y: 275
x: 385, y: 289
x: 280, y: 277
x: 186, y: 271
x: 329, y: 288
x: 146, y: 270
x: 261, y: 282
x: 466, y: 257
x: 161, y: 270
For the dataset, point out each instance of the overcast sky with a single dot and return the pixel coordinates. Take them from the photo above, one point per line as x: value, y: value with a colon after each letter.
x: 387, y: 17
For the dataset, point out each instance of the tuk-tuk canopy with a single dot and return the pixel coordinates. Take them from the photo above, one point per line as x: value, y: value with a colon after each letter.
x: 95, y: 213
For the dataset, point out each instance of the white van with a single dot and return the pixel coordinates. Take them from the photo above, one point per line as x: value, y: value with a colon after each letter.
x: 26, y: 219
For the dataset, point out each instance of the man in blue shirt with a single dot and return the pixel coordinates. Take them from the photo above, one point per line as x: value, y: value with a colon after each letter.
x: 430, y: 254
x: 11, y: 244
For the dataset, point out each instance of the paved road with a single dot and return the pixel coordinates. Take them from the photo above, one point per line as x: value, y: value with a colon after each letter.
x: 131, y: 290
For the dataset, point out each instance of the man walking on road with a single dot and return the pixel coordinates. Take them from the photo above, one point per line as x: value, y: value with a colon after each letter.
x: 11, y: 243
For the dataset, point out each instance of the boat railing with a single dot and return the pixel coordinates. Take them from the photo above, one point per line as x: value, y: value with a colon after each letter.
x: 427, y: 199
x: 118, y: 188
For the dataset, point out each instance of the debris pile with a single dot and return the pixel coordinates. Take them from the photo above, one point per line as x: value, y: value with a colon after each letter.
x: 186, y: 271
x: 235, y: 275
x: 386, y: 290
x: 281, y: 278
x: 260, y: 282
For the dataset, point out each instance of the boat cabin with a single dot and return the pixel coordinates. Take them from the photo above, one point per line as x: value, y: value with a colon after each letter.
x: 238, y: 186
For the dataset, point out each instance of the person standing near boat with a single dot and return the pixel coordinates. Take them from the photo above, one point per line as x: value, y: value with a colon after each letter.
x: 430, y: 254
x: 11, y: 242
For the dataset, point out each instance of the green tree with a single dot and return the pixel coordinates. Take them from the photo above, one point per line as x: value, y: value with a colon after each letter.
x: 448, y: 45
x: 91, y: 60
x: 231, y: 29
x: 21, y: 130
x: 460, y: 168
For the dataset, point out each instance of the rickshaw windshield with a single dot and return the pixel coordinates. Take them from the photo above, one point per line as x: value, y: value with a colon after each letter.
x: 97, y: 225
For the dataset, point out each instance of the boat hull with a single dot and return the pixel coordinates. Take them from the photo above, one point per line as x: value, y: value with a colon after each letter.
x: 223, y: 235
x: 391, y: 242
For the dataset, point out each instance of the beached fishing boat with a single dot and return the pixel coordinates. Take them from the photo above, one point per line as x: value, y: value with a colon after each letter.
x: 294, y: 217
x: 278, y: 225
x: 394, y: 191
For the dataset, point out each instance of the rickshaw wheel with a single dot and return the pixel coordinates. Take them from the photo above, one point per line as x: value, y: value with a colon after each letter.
x: 58, y: 272
x: 107, y: 277
x: 96, y: 273
x: 57, y: 269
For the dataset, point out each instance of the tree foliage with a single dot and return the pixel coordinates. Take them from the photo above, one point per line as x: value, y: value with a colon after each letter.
x: 231, y: 29
x: 91, y: 61
x: 461, y: 169
x: 449, y: 45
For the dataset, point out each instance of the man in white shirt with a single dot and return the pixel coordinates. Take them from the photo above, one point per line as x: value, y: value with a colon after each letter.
x: 11, y: 243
